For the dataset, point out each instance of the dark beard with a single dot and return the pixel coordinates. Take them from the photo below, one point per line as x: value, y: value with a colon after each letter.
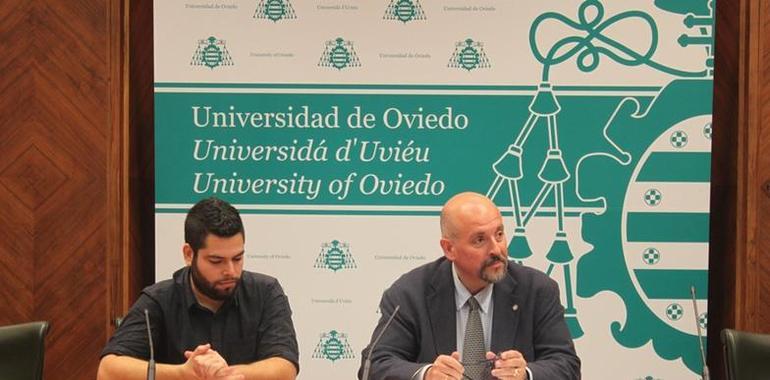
x: 208, y: 288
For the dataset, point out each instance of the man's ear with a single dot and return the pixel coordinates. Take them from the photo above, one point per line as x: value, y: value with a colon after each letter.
x: 448, y: 247
x: 187, y: 252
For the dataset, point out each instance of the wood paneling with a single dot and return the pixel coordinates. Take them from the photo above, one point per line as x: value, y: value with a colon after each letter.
x: 142, y: 148
x: 761, y: 322
x: 752, y: 269
x: 725, y: 205
x: 57, y: 118
x: 117, y: 165
x: 740, y: 216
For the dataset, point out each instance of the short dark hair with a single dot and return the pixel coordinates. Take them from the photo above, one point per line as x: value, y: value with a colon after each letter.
x: 211, y: 216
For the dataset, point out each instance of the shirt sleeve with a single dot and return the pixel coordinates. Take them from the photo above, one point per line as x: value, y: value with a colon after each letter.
x: 420, y: 374
x: 278, y: 338
x: 131, y: 339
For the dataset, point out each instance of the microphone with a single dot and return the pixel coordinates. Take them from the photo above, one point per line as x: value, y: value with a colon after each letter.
x: 151, y: 363
x: 705, y: 374
x: 368, y: 361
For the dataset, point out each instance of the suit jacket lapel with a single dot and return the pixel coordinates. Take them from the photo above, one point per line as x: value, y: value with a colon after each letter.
x: 505, y: 319
x: 440, y: 300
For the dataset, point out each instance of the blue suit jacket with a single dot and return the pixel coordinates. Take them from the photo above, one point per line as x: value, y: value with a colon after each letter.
x: 528, y: 317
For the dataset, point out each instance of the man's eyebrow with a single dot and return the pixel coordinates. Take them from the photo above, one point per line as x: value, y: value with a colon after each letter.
x: 216, y: 256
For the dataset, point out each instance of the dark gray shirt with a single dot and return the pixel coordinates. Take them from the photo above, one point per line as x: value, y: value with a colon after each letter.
x: 255, y: 324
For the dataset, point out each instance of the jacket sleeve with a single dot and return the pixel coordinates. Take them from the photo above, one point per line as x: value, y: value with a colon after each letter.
x: 395, y: 355
x: 555, y: 356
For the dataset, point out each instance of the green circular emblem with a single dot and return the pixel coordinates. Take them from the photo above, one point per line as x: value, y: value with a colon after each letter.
x: 469, y: 58
x: 335, y: 258
x: 674, y: 311
x: 707, y: 131
x: 651, y: 256
x: 653, y: 197
x: 678, y: 139
x: 212, y: 56
x: 404, y: 10
x: 275, y: 9
x: 333, y: 347
x: 339, y: 57
x: 703, y: 320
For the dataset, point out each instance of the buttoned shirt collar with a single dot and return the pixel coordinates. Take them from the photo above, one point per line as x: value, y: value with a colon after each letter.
x: 484, y: 297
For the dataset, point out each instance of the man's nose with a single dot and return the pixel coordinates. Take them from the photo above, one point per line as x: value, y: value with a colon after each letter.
x: 230, y: 267
x: 494, y: 249
x: 499, y: 248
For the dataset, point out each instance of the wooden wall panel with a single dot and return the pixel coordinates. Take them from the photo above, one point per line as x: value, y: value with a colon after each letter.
x: 56, y: 108
x: 752, y: 270
x: 142, y: 149
x: 762, y: 185
x: 740, y: 218
x: 725, y: 205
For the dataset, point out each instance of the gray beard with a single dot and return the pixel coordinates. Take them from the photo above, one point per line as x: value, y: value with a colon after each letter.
x: 492, y: 277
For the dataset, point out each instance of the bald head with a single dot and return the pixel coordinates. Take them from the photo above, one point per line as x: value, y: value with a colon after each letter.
x: 460, y: 208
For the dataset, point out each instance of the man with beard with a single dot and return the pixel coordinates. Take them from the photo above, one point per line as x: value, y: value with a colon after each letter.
x: 212, y: 320
x: 471, y: 314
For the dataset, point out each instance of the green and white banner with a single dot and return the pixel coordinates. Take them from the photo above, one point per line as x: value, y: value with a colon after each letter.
x: 340, y: 127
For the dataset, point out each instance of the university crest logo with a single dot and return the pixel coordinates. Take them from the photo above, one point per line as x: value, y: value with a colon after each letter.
x: 404, y: 11
x: 339, y: 54
x: 469, y: 55
x: 274, y: 10
x: 333, y: 346
x: 212, y: 53
x: 335, y: 256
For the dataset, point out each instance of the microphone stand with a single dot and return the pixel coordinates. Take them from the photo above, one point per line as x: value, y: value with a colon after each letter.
x: 368, y: 361
x: 705, y: 375
x: 151, y: 363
